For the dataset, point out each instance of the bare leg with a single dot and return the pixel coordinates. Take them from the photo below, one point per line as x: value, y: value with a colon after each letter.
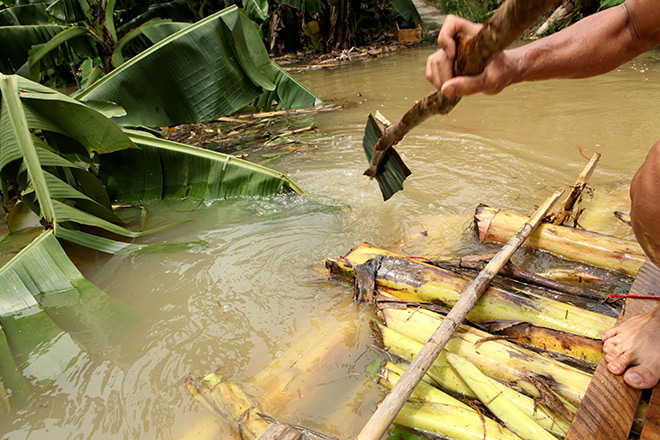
x: 636, y: 343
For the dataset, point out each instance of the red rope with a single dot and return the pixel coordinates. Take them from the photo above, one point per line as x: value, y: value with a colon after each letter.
x: 635, y: 296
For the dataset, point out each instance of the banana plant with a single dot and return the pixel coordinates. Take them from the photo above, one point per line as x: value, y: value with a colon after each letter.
x: 206, y: 70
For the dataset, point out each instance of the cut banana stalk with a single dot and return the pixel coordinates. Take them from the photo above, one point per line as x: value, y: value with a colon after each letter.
x: 490, y: 395
x: 415, y: 281
x: 454, y: 422
x: 496, y: 358
x: 407, y: 348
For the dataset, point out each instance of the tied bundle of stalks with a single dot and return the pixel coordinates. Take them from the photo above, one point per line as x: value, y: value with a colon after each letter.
x: 484, y: 370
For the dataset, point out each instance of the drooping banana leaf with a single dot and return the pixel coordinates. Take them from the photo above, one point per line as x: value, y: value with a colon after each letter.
x: 42, y: 51
x: 66, y: 11
x: 209, y: 69
x: 42, y: 293
x: 42, y: 348
x: 56, y: 176
x: 16, y: 42
x: 72, y: 302
x: 17, y: 389
x: 407, y: 10
x: 256, y: 9
x: 176, y: 10
x: 168, y: 170
x: 62, y: 192
x: 155, y: 30
x: 30, y: 14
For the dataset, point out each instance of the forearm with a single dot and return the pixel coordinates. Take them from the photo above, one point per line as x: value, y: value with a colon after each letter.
x: 594, y: 45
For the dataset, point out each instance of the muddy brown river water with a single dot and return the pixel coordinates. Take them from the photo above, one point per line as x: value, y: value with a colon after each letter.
x: 256, y: 296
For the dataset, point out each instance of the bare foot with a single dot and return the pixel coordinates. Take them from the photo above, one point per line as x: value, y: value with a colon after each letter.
x: 635, y: 344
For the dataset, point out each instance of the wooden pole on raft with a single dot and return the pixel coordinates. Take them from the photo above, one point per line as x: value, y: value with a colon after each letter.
x: 393, y: 402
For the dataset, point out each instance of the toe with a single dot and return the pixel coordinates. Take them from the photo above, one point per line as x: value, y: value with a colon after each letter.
x: 641, y: 377
x: 617, y: 364
x: 609, y: 333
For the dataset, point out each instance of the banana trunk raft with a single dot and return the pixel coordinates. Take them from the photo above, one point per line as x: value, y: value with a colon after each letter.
x: 525, y: 364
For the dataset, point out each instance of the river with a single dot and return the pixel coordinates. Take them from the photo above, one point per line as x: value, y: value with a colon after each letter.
x: 257, y: 294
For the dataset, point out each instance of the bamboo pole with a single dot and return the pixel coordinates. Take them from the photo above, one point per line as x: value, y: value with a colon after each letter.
x: 393, y: 402
x: 563, y: 213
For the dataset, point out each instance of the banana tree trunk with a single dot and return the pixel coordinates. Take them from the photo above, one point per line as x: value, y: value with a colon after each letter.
x: 494, y: 225
x: 413, y: 281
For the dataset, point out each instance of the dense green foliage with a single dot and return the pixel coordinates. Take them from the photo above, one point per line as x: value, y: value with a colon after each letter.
x: 478, y: 11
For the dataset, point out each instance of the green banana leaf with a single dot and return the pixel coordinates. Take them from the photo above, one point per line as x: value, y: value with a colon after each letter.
x: 169, y: 170
x: 58, y: 184
x: 66, y: 11
x: 42, y: 293
x: 407, y: 10
x: 16, y: 42
x: 155, y: 30
x: 42, y: 349
x: 257, y: 10
x: 17, y: 390
x: 212, y: 68
x: 57, y: 176
x: 30, y: 14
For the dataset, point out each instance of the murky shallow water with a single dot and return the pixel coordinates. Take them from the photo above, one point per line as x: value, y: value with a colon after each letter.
x: 256, y: 292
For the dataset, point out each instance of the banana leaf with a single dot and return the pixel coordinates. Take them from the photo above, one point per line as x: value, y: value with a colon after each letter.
x: 17, y: 389
x: 16, y: 42
x: 59, y: 186
x: 212, y: 68
x: 30, y: 14
x: 407, y: 10
x: 169, y: 170
x: 155, y: 30
x: 66, y: 11
x: 41, y: 347
x: 256, y: 9
x: 42, y: 293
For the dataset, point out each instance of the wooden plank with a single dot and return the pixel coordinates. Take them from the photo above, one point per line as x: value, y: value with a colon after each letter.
x: 651, y: 430
x: 280, y: 431
x: 609, y: 405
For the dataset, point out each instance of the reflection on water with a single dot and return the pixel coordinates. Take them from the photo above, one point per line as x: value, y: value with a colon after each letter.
x: 254, y: 300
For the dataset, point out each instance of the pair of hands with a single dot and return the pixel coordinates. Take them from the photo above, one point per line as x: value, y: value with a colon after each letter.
x: 499, y: 73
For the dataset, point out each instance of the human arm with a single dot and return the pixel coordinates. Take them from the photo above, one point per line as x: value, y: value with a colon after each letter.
x: 592, y: 46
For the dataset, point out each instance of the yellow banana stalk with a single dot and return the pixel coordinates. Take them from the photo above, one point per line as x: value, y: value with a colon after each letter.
x: 407, y: 348
x: 228, y: 400
x: 494, y: 225
x: 579, y: 347
x: 424, y: 393
x: 451, y: 421
x: 540, y: 414
x: 496, y: 358
x: 511, y: 415
x: 415, y: 281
